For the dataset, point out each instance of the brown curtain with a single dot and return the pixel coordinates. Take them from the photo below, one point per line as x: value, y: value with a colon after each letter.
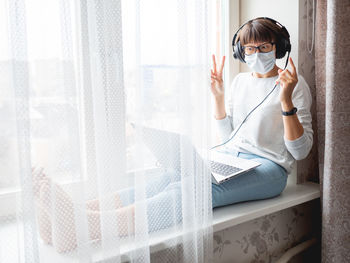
x: 332, y: 61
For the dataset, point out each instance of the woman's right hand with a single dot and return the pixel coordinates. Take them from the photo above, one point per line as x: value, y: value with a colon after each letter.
x: 217, y: 86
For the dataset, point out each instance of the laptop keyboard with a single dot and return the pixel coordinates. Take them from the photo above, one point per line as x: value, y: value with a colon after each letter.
x: 223, y: 169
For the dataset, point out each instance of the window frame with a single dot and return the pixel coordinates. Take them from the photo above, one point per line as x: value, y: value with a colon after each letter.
x: 228, y: 18
x: 232, y: 22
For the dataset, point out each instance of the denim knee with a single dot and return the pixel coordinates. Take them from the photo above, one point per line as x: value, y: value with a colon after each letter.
x: 266, y: 181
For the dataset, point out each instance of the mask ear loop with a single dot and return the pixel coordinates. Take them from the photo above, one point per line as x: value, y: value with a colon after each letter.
x: 246, y: 117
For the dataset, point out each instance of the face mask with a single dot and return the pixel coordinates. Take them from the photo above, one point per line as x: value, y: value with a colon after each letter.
x: 261, y: 62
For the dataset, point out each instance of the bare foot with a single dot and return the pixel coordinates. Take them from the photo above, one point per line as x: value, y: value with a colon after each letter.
x: 95, y: 204
x: 126, y: 220
x: 61, y: 212
x: 57, y: 219
x: 38, y: 178
x: 44, y: 222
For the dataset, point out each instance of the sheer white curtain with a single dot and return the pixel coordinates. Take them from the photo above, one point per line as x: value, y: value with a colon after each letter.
x: 102, y: 105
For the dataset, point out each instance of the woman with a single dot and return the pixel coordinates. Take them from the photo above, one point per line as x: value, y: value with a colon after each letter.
x: 266, y: 136
x: 277, y: 102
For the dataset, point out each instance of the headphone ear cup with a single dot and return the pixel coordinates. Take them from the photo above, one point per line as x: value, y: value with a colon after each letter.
x: 237, y: 52
x: 279, y: 48
x: 283, y: 46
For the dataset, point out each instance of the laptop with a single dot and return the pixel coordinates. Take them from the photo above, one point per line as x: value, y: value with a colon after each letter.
x: 222, y: 166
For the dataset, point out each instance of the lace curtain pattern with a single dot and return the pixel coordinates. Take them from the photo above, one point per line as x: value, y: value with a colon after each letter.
x: 104, y: 118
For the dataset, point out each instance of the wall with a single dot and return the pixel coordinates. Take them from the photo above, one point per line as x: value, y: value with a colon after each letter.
x: 265, y: 239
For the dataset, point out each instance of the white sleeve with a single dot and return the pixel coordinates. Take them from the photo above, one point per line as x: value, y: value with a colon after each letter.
x: 225, y: 126
x: 302, y: 100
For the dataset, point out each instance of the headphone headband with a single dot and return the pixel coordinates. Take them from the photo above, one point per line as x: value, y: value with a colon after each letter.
x: 283, y: 45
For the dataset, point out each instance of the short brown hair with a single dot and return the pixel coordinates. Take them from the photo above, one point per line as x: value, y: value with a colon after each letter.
x: 263, y: 30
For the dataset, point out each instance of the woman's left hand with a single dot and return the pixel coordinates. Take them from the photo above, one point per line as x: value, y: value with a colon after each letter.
x: 288, y: 80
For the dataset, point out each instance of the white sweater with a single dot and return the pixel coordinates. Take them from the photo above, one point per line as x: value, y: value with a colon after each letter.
x: 263, y: 132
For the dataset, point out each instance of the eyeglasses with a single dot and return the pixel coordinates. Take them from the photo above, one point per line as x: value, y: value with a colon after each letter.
x: 264, y: 48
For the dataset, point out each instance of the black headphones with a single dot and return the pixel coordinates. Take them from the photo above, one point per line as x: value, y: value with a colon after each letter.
x: 282, y: 43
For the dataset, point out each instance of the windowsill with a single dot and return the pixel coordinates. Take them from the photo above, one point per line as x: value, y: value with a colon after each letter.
x: 223, y: 217
x: 292, y: 195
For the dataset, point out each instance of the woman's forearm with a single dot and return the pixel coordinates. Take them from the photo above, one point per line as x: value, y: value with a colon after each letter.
x: 220, y: 112
x: 292, y: 126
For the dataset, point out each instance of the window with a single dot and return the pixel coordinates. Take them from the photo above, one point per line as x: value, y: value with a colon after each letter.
x: 161, y: 67
x: 52, y: 98
x: 52, y: 70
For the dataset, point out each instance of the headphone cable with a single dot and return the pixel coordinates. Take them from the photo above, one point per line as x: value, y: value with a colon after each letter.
x: 250, y: 111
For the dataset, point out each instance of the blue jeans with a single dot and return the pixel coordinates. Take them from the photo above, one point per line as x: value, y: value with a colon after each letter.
x: 163, y: 194
x: 265, y: 181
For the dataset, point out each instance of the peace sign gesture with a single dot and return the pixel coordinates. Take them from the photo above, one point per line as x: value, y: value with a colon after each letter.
x: 217, y: 87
